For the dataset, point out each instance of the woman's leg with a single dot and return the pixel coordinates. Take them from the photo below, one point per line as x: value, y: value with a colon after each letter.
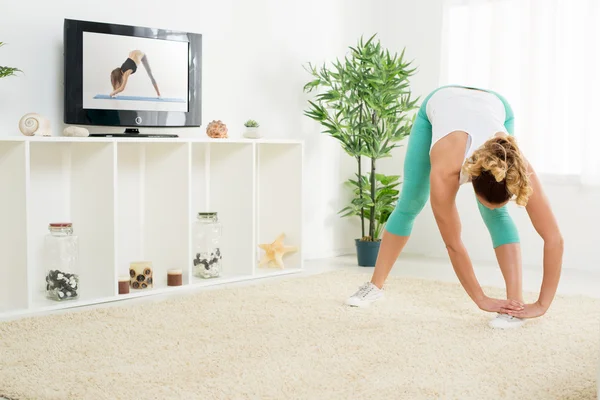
x: 149, y: 71
x: 505, y: 239
x: 509, y: 259
x: 414, y: 195
x: 389, y: 250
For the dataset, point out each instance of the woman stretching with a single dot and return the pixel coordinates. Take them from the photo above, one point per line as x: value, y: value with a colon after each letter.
x: 119, y: 76
x: 465, y: 135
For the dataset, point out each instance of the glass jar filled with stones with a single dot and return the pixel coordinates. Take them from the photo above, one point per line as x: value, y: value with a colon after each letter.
x: 206, y: 244
x: 61, y: 253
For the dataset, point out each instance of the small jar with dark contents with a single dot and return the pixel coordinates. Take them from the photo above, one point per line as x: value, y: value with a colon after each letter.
x: 140, y: 275
x: 61, y: 254
x: 207, y: 257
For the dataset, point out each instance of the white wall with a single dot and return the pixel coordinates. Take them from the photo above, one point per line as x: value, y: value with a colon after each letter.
x: 417, y: 25
x: 253, y: 51
x: 253, y: 57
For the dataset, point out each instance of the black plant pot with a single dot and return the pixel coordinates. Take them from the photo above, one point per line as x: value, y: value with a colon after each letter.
x: 367, y: 252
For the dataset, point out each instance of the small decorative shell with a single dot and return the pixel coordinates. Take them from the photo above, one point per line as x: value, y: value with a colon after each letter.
x: 217, y: 129
x: 75, y: 131
x: 33, y: 124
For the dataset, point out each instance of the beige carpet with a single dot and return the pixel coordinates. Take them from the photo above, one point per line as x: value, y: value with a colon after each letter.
x: 293, y: 339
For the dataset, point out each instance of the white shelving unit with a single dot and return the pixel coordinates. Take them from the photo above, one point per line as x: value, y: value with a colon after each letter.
x: 135, y: 199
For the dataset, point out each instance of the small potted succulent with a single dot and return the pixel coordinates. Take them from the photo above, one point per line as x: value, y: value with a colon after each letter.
x: 251, y: 129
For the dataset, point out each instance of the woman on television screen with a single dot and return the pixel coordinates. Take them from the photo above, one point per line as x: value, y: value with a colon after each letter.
x: 119, y: 76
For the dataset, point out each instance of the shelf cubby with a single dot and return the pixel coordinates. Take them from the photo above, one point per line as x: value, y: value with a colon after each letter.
x: 279, y: 200
x: 13, y: 229
x: 231, y: 195
x: 153, y: 203
x: 72, y: 182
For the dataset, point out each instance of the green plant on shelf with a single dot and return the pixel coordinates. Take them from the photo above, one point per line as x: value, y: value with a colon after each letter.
x: 7, y: 71
x: 251, y: 124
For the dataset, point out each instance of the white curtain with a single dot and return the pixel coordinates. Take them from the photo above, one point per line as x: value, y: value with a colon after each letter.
x: 543, y: 56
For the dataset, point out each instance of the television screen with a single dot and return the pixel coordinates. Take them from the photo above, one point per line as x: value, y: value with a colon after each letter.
x: 131, y: 76
x: 133, y: 73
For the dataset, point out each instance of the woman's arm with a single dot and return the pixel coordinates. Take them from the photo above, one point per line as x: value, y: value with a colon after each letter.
x: 544, y: 222
x: 446, y: 160
x: 444, y: 187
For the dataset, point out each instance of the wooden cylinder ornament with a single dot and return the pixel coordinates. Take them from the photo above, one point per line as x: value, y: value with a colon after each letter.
x: 174, y: 277
x: 123, y: 285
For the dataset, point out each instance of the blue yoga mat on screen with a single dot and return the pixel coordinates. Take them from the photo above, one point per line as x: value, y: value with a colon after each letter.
x: 140, y: 98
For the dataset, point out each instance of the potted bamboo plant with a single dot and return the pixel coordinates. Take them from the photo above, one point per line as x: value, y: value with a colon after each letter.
x: 365, y: 102
x: 7, y: 71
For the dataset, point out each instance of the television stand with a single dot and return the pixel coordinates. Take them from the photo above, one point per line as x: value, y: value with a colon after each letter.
x: 134, y: 132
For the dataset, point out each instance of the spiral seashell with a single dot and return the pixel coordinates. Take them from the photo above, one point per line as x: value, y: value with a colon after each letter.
x: 33, y: 124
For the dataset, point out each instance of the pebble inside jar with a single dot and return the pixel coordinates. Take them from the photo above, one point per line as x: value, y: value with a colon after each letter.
x: 207, y: 257
x: 61, y: 253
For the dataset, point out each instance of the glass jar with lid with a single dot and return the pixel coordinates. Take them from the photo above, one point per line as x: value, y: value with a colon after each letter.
x: 61, y: 254
x: 206, y: 245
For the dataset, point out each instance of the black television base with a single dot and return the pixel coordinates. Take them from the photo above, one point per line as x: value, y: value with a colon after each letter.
x: 133, y: 132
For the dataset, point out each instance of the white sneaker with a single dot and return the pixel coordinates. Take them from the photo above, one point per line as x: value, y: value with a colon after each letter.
x: 505, y: 321
x: 365, y: 295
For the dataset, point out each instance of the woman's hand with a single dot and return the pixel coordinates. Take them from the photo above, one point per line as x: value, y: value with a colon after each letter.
x: 500, y: 306
x: 529, y: 311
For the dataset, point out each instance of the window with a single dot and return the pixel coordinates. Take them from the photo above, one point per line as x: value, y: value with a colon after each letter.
x: 543, y: 56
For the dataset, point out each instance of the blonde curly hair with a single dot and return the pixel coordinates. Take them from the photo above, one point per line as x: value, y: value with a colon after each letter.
x: 498, y: 171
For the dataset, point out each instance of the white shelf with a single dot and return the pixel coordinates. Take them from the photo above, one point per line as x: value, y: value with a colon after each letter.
x: 72, y: 182
x: 135, y: 199
x: 279, y: 199
x: 152, y: 204
x: 203, y: 139
x: 13, y: 229
x: 231, y: 194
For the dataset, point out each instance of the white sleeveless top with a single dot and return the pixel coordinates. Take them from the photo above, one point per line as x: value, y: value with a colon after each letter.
x: 480, y: 114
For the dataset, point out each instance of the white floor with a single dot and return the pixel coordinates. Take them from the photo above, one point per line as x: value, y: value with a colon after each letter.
x: 573, y: 282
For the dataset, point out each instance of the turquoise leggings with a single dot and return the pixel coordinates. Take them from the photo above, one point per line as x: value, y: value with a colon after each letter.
x: 415, y: 188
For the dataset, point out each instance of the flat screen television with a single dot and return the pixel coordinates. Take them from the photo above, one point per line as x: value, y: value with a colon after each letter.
x: 131, y: 76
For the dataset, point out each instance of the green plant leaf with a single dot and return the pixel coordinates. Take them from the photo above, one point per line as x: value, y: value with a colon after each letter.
x: 8, y: 71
